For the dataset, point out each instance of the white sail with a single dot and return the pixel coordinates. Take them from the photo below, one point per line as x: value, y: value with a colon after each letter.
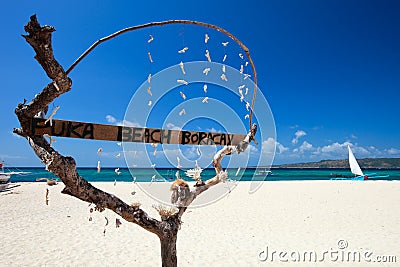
x: 98, y: 166
x: 355, y: 168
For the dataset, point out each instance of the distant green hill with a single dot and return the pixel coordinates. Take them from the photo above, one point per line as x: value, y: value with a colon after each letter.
x: 385, y: 163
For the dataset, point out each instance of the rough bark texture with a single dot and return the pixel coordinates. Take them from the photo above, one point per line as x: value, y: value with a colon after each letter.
x: 168, y: 251
x: 65, y: 167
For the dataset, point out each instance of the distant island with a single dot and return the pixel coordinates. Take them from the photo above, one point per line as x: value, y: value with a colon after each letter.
x: 367, y: 163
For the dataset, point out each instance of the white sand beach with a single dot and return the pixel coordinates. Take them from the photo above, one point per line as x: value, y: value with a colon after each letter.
x: 292, y: 217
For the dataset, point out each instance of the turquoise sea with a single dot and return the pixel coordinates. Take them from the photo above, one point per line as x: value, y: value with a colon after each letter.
x: 162, y: 174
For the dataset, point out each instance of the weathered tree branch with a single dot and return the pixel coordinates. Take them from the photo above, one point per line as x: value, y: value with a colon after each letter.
x: 40, y: 39
x: 65, y: 167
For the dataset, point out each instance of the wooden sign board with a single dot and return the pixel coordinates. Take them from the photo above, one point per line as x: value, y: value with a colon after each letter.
x: 93, y: 131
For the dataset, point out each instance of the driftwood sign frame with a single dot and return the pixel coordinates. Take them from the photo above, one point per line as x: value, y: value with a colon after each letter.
x: 166, y: 228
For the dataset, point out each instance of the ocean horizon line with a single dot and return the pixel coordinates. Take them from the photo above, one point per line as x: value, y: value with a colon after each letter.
x: 212, y: 168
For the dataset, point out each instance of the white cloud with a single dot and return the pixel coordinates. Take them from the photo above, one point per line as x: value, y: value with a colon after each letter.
x: 171, y: 126
x: 298, y: 134
x: 190, y: 152
x: 362, y: 152
x: 304, y: 147
x: 339, y: 150
x: 392, y: 151
x: 375, y: 151
x: 213, y: 130
x: 113, y: 120
x: 252, y: 148
x: 281, y: 148
x: 335, y: 148
x: 4, y: 156
x: 129, y: 123
x: 269, y: 146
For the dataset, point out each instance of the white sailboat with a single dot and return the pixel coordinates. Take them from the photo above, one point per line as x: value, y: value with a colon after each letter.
x: 356, y: 171
x: 354, y: 167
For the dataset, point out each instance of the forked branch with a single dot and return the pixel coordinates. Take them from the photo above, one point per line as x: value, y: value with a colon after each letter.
x: 220, y: 175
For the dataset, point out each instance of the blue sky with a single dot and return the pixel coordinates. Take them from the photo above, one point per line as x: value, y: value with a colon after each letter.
x: 330, y: 71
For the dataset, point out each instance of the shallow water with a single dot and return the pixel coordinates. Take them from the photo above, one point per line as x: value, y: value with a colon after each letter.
x: 162, y: 174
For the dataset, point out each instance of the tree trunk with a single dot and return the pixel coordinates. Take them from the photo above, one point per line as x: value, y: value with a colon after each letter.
x: 168, y: 249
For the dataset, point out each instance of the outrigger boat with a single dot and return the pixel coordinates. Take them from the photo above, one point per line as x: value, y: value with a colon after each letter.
x: 6, y: 176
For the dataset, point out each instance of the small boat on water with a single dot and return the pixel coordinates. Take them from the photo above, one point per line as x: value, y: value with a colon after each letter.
x: 356, y: 171
x: 6, y: 176
x: 263, y: 172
